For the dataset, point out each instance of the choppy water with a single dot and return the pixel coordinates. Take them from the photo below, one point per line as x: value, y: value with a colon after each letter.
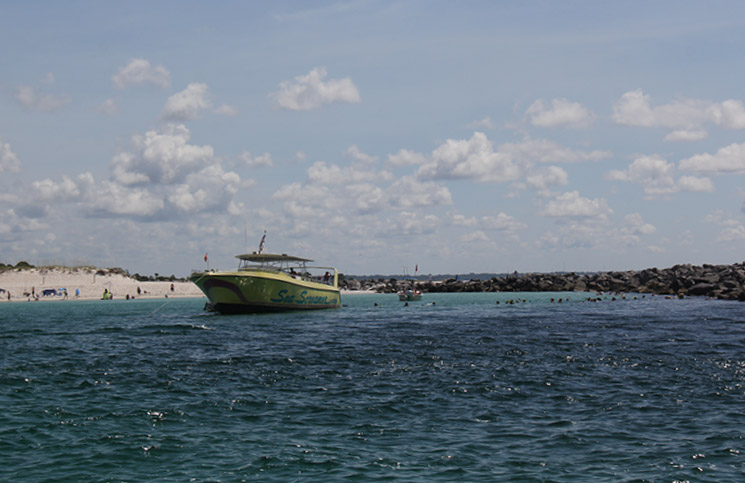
x: 464, y: 390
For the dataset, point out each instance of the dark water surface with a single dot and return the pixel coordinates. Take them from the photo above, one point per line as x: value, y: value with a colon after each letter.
x: 464, y: 390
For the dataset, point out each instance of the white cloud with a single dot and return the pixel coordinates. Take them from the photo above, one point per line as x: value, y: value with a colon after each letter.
x: 9, y: 162
x: 727, y: 160
x: 227, y: 110
x: 324, y: 173
x: 561, y: 113
x: 477, y: 159
x: 109, y: 107
x: 366, y: 197
x: 162, y: 178
x: 339, y: 193
x: 652, y: 172
x: 264, y: 160
x: 138, y: 72
x: 692, y: 183
x: 410, y: 223
x: 475, y: 236
x: 47, y: 195
x: 657, y: 176
x: 687, y: 135
x: 732, y: 233
x: 732, y: 230
x: 579, y: 235
x: 635, y: 224
x: 208, y: 190
x: 40, y: 101
x: 501, y: 222
x: 473, y: 158
x: 408, y: 192
x: 685, y: 116
x: 546, y: 151
x: 114, y: 199
x: 406, y: 158
x: 48, y: 190
x: 485, y: 123
x: 634, y: 109
x: 353, y: 152
x: 717, y: 216
x: 9, y: 198
x: 311, y: 91
x: 547, y: 177
x: 163, y: 157
x: 187, y: 104
x: 307, y: 201
x: 591, y: 233
x: 458, y: 219
x: 571, y: 204
x: 729, y: 114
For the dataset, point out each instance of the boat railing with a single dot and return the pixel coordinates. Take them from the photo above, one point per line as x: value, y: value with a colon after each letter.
x: 299, y: 272
x: 330, y: 277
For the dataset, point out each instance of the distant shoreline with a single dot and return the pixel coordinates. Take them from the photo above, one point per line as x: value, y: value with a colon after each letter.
x: 725, y: 282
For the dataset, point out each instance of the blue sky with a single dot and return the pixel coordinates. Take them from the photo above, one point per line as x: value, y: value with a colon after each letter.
x: 456, y: 136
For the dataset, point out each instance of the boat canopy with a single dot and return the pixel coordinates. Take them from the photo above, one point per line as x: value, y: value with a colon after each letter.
x: 270, y: 258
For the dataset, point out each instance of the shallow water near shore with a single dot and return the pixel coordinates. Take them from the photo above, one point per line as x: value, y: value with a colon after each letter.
x: 641, y: 389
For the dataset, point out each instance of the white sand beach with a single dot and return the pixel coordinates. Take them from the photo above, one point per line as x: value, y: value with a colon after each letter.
x: 90, y: 283
x: 23, y: 285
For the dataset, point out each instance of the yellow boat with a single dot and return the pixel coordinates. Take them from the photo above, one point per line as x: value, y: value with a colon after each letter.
x: 266, y: 282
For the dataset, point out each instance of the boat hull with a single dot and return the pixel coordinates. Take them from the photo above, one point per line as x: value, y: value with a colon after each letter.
x: 258, y: 291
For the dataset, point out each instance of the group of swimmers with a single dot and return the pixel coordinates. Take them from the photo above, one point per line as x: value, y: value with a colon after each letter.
x: 599, y: 298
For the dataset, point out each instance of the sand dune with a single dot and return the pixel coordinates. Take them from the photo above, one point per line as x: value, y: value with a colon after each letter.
x: 90, y: 283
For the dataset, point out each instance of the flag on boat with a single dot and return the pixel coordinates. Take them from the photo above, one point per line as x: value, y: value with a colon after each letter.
x: 261, y: 244
x: 205, y: 256
x: 416, y: 268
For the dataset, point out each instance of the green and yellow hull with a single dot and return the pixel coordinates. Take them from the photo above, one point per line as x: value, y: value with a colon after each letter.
x: 251, y: 291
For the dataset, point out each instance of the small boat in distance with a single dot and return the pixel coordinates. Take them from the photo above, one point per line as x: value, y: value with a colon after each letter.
x: 410, y: 294
x: 265, y: 282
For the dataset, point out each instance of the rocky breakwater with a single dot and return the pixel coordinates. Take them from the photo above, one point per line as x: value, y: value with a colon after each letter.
x: 718, y: 281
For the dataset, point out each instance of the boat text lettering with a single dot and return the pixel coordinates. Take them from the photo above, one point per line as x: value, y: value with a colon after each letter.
x: 302, y: 299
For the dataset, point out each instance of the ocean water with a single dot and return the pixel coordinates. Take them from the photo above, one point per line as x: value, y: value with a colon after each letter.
x: 645, y: 389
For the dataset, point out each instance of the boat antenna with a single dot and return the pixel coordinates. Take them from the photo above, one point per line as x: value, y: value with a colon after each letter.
x: 261, y: 243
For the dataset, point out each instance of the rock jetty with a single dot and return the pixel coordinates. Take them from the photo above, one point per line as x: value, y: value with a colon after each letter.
x: 725, y: 282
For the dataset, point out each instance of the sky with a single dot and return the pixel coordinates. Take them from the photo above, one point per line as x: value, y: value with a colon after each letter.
x: 374, y: 136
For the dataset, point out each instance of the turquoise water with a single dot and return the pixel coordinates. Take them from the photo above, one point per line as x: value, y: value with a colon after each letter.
x: 629, y: 390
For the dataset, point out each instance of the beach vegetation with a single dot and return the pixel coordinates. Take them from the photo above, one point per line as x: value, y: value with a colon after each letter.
x: 157, y: 278
x: 24, y: 265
